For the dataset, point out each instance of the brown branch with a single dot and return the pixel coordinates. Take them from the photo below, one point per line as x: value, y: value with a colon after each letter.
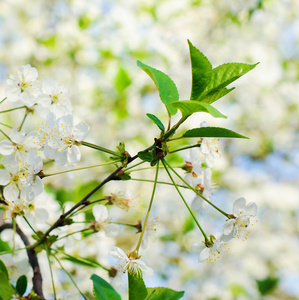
x: 37, y: 277
x: 112, y: 176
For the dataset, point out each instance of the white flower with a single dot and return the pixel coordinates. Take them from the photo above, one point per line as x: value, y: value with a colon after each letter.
x: 102, y: 218
x: 24, y: 86
x: 210, y: 147
x: 125, y: 263
x: 18, y: 145
x: 122, y: 200
x: 62, y: 144
x: 9, y: 178
x: 203, y: 184
x: 55, y: 99
x: 14, y: 208
x: 212, y: 251
x: 193, y: 165
x: 238, y: 226
x: 28, y: 178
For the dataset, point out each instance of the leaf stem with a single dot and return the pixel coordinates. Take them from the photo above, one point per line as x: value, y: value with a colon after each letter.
x: 78, y: 169
x: 179, y: 192
x: 5, y: 125
x: 70, y: 277
x: 29, y: 225
x: 148, y: 210
x: 6, y: 135
x: 51, y: 272
x: 193, y: 189
x: 184, y: 148
x: 23, y: 121
x: 93, y: 146
x: 12, y: 109
x: 72, y: 233
x: 3, y: 100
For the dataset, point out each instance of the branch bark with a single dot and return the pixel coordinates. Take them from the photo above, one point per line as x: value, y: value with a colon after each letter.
x: 33, y: 261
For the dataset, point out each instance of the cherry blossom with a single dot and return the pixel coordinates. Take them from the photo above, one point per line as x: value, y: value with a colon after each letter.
x: 210, y: 250
x: 238, y: 226
x: 23, y: 86
x: 55, y: 99
x: 102, y: 219
x: 64, y: 140
x: 132, y: 265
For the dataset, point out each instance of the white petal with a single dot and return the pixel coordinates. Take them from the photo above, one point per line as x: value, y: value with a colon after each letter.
x: 80, y: 131
x: 6, y: 147
x: 73, y: 154
x: 239, y: 206
x: 197, y: 247
x: 100, y: 213
x: 48, y: 85
x: 65, y: 124
x: 16, y: 136
x: 250, y: 209
x: 4, y: 177
x: 197, y: 203
x: 11, y: 192
x: 228, y: 226
x: 117, y: 253
x: 61, y: 158
x: 204, y: 254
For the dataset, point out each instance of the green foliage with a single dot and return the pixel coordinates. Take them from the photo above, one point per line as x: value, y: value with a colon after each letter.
x: 157, y: 121
x: 216, y: 132
x: 145, y: 155
x: 84, y: 21
x: 3, y: 268
x: 5, y: 287
x: 122, y: 80
x: 137, y: 288
x: 267, y: 285
x: 82, y: 261
x: 162, y: 293
x: 216, y: 95
x: 167, y: 89
x: 21, y: 285
x: 201, y: 71
x: 138, y: 291
x: 222, y: 76
x: 103, y: 290
x: 188, y: 107
x: 4, y: 246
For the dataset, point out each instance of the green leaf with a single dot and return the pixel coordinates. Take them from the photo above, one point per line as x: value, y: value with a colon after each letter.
x: 201, y: 71
x: 167, y: 89
x: 157, y: 121
x: 161, y: 293
x: 5, y: 287
x: 223, y: 75
x: 216, y: 95
x: 267, y: 285
x: 86, y: 262
x: 4, y: 246
x: 188, y: 107
x: 3, y: 269
x: 122, y: 80
x: 21, y: 285
x: 145, y: 155
x: 214, y: 132
x: 137, y: 288
x: 103, y: 290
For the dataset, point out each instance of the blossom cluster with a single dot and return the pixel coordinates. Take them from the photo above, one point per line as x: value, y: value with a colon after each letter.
x: 199, y: 176
x: 198, y: 166
x: 56, y: 138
